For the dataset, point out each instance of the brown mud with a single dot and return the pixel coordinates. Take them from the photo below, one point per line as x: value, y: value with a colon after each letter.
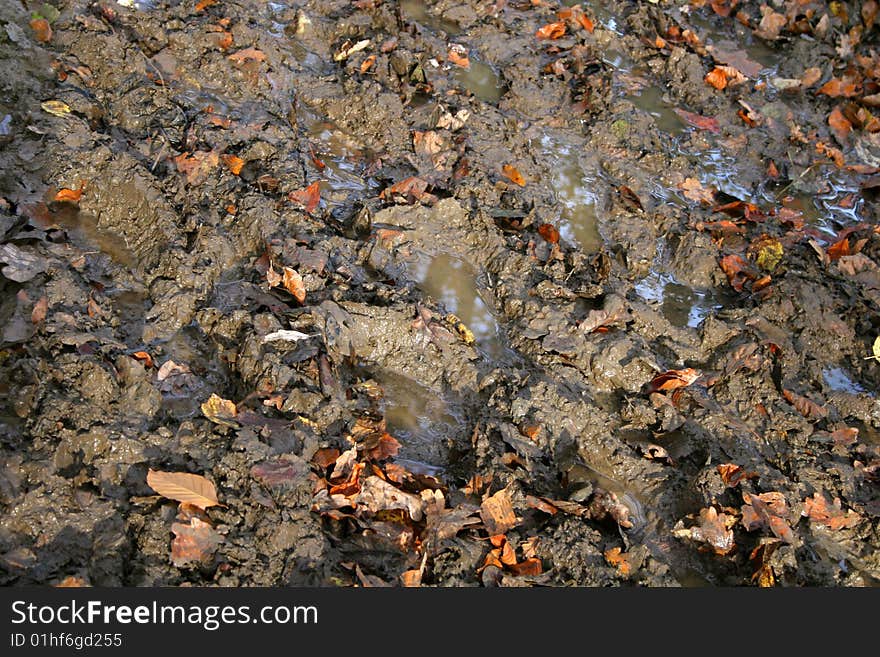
x: 459, y: 357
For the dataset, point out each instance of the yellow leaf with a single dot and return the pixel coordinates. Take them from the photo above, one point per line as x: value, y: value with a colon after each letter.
x: 183, y: 487
x: 220, y: 411
x: 56, y: 108
x: 876, y: 348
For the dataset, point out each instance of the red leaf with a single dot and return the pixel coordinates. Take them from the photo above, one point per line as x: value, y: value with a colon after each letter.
x: 308, y: 197
x: 673, y: 379
x: 698, y: 121
x: 549, y: 233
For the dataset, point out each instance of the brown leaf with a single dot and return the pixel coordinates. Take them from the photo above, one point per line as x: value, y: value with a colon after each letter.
x: 42, y: 30
x: 219, y: 410
x: 71, y: 582
x: 197, y: 167
x: 247, y: 54
x: 293, y: 283
x: 768, y: 510
x: 530, y: 567
x: 737, y: 270
x: 170, y: 368
x: 194, y: 541
x: 811, y: 76
x: 839, y: 124
x: 325, y: 457
x: 806, y: 407
x: 512, y: 173
x: 852, y: 265
x: 308, y: 197
x: 549, y: 232
x: 619, y: 559
x: 38, y: 314
x: 713, y: 529
x: 845, y: 436
x: 771, y: 24
x: 673, y: 379
x: 702, y: 122
x: 410, y: 190
x: 838, y: 249
x: 378, y: 495
x: 837, y: 88
x: 285, y: 471
x: 144, y: 357
x: 831, y: 515
x: 717, y: 79
x: 366, y: 65
x: 233, y: 163
x: 497, y: 513
x: 551, y: 31
x: 458, y: 55
x: 183, y: 487
x: 695, y: 191
x: 732, y: 474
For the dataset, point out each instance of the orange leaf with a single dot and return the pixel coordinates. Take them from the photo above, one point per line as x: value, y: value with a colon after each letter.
x: 732, y: 474
x: 549, y: 233
x: 551, y: 31
x: 183, y: 487
x: 716, y: 78
x: 195, y: 541
x: 308, y: 197
x: 42, y: 30
x: 673, y: 379
x: 197, y: 166
x: 698, y: 121
x: 144, y: 357
x: 201, y: 5
x: 293, y: 283
x: 831, y: 515
x: 839, y: 125
x: 586, y: 23
x: 366, y: 65
x: 512, y: 173
x: 838, y: 249
x: 837, y: 88
x: 38, y: 314
x: 458, y: 56
x: 71, y: 195
x: 497, y: 513
x: 233, y: 163
x: 619, y: 559
x: 325, y: 457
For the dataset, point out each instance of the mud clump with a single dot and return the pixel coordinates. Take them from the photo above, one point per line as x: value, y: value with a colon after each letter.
x: 436, y: 296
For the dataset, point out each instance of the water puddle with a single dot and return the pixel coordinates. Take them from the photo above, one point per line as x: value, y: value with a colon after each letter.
x: 422, y: 421
x: 83, y: 231
x: 838, y: 379
x: 649, y: 99
x: 452, y: 283
x: 679, y: 304
x: 575, y: 185
x: 481, y: 80
x: 344, y: 160
x: 185, y: 390
x: 417, y: 10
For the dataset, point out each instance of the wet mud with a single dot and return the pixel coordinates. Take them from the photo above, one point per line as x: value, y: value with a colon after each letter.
x: 568, y: 315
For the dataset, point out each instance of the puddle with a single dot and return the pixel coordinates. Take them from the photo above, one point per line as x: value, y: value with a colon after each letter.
x: 452, y: 283
x: 575, y: 187
x: 838, y: 379
x: 82, y: 229
x: 422, y: 422
x: 679, y: 304
x: 417, y: 10
x: 481, y: 80
x: 343, y: 158
x: 650, y: 99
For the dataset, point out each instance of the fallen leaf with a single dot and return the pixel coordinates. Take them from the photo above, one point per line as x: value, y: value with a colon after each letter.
x: 72, y: 581
x: 837, y: 88
x: 144, y: 357
x: 293, y: 283
x: 233, y: 163
x: 247, y: 54
x: 549, y: 232
x: 93, y: 309
x: 458, y: 55
x: 308, y: 197
x: 852, y: 265
x: 220, y: 411
x: 56, y: 108
x: 366, y: 65
x: 42, y: 29
x: 201, y: 5
x: 497, y: 513
x: 66, y: 195
x: 551, y: 31
x: 722, y: 77
x: 285, y: 472
x: 349, y: 48
x: 409, y: 190
x: 768, y: 510
x: 771, y: 24
x: 604, y: 504
x: 695, y: 191
x: 839, y: 125
x: 845, y: 436
x: 737, y: 270
x: 170, y: 368
x: 630, y: 199
x: 183, y: 487
x: 619, y: 559
x: 806, y: 407
x: 838, y: 249
x: 530, y: 567
x: 194, y: 541
x: 732, y: 474
x: 38, y: 314
x: 767, y: 252
x: 378, y: 495
x: 325, y: 457
x: 811, y: 76
x: 713, y: 529
x: 197, y: 166
x: 831, y: 515
x: 698, y: 121
x: 512, y: 173
x: 673, y: 379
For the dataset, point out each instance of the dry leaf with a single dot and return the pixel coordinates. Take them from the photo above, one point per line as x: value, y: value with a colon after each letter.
x: 732, y: 474
x: 247, y: 54
x: 66, y: 195
x: 183, y: 487
x: 768, y: 510
x: 458, y: 55
x: 366, y: 65
x: 38, y: 314
x: 702, y: 122
x: 293, y: 283
x: 56, y: 108
x: 197, y: 166
x: 839, y: 125
x: 695, y: 191
x: 551, y: 31
x: 512, y: 173
x: 837, y: 88
x: 195, y: 542
x: 497, y: 513
x: 72, y: 582
x: 713, y: 529
x: 549, y: 232
x: 308, y: 197
x: 220, y: 411
x: 619, y: 559
x: 233, y: 163
x: 673, y: 379
x: 42, y: 30
x: 170, y: 368
x: 806, y: 407
x: 378, y: 495
x: 831, y: 515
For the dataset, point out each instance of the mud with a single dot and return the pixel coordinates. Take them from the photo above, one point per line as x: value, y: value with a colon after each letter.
x: 502, y: 360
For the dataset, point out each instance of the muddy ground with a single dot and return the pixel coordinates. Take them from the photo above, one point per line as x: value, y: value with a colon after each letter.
x: 571, y: 314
